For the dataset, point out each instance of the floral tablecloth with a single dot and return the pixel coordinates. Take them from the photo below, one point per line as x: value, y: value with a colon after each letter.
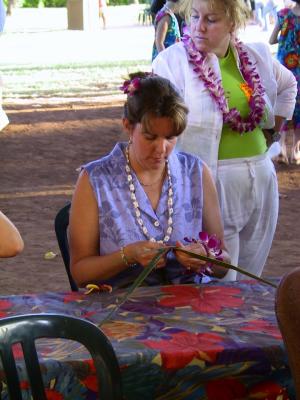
x: 214, y: 341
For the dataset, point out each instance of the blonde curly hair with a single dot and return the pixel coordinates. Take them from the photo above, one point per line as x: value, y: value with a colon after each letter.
x: 235, y: 10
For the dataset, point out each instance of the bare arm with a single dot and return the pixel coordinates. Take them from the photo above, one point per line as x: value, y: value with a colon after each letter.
x: 212, y: 224
x: 161, y: 32
x: 87, y: 265
x: 274, y: 35
x: 212, y: 220
x: 11, y: 242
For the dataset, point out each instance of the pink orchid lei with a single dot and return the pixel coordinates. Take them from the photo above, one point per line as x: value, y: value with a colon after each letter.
x: 212, y: 246
x: 232, y: 116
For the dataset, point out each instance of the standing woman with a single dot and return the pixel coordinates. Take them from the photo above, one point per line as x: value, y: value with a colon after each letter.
x: 234, y: 92
x: 167, y: 31
x: 287, y: 34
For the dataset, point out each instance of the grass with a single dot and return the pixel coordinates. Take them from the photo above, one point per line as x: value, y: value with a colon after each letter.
x: 83, y: 80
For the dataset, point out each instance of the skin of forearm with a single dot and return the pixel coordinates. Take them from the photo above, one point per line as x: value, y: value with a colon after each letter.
x: 97, y: 268
x: 218, y: 271
x: 160, y: 46
x: 11, y: 242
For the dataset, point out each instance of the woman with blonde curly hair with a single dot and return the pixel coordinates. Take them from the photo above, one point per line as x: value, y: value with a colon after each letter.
x: 235, y: 92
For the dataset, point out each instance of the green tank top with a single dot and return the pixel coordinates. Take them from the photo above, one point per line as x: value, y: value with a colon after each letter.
x: 233, y: 144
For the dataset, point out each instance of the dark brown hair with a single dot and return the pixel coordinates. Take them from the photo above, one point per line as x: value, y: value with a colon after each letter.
x: 155, y: 97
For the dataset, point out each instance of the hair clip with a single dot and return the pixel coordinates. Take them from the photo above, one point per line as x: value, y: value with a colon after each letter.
x: 131, y: 86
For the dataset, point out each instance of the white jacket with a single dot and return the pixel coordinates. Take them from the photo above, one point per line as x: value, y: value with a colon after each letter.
x: 205, y: 120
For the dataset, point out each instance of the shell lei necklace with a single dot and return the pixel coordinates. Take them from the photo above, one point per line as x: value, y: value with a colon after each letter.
x: 137, y: 207
x: 213, y: 83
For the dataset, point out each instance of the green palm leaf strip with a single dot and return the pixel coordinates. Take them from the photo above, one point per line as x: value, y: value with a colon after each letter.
x: 139, y: 280
x: 225, y: 265
x: 152, y: 264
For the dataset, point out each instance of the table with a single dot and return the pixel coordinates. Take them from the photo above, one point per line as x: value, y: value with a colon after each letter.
x: 215, y: 341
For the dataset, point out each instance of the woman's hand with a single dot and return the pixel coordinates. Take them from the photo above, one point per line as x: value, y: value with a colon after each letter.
x: 190, y: 263
x: 143, y: 252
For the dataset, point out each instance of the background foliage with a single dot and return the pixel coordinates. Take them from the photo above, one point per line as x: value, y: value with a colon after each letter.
x: 63, y: 3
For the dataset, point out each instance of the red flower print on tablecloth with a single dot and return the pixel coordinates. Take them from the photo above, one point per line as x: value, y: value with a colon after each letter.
x: 53, y: 395
x: 24, y: 385
x: 183, y: 347
x: 268, y: 390
x: 264, y: 327
x: 225, y: 389
x: 91, y: 366
x: 73, y: 296
x: 90, y: 381
x: 210, y: 300
x: 4, y: 305
x: 17, y: 351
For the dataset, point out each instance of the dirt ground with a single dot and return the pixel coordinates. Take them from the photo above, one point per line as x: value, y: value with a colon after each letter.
x: 40, y: 151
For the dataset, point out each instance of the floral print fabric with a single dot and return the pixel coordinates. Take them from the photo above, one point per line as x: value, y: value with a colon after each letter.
x: 288, y: 51
x: 194, y: 342
x: 117, y: 220
x: 173, y: 32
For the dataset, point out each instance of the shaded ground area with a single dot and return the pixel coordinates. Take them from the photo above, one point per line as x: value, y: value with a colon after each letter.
x: 40, y: 151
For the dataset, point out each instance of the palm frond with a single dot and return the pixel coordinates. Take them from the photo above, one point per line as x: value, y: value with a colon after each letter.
x: 152, y: 264
x: 139, y: 280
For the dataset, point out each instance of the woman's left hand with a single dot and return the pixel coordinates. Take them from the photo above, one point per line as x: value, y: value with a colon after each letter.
x: 190, y: 263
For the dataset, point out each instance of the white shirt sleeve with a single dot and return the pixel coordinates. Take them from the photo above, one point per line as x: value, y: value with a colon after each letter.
x: 168, y: 64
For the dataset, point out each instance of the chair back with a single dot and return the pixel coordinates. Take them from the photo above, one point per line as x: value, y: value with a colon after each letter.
x: 287, y: 308
x: 24, y: 329
x: 61, y: 224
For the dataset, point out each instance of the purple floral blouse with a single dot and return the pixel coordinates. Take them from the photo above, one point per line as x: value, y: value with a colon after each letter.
x: 117, y: 220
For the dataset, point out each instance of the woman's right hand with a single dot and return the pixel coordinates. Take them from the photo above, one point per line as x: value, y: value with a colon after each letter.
x: 143, y: 252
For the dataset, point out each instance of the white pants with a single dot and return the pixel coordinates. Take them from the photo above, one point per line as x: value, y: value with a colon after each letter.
x: 248, y: 195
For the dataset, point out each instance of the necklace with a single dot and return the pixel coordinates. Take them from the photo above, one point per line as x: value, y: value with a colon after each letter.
x: 213, y: 84
x: 137, y: 207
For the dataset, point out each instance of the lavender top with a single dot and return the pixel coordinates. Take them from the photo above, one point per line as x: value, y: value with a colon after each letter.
x: 117, y: 220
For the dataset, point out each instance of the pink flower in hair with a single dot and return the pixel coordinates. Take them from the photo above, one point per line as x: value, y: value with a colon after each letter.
x: 132, y: 86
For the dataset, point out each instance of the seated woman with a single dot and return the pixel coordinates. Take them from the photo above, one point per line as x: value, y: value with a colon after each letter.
x: 144, y: 196
x: 11, y: 242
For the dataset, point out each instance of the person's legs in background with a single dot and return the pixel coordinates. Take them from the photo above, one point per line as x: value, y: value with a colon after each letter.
x: 248, y: 195
x: 3, y: 117
x: 102, y: 11
x: 257, y: 235
x: 269, y: 10
x: 283, y: 156
x: 295, y: 158
x: 296, y: 146
x: 258, y: 13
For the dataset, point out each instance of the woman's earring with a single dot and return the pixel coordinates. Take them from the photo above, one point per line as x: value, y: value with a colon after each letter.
x: 130, y: 141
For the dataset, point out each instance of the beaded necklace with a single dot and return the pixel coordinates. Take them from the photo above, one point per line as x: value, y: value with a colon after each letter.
x: 214, y: 85
x: 136, y: 206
